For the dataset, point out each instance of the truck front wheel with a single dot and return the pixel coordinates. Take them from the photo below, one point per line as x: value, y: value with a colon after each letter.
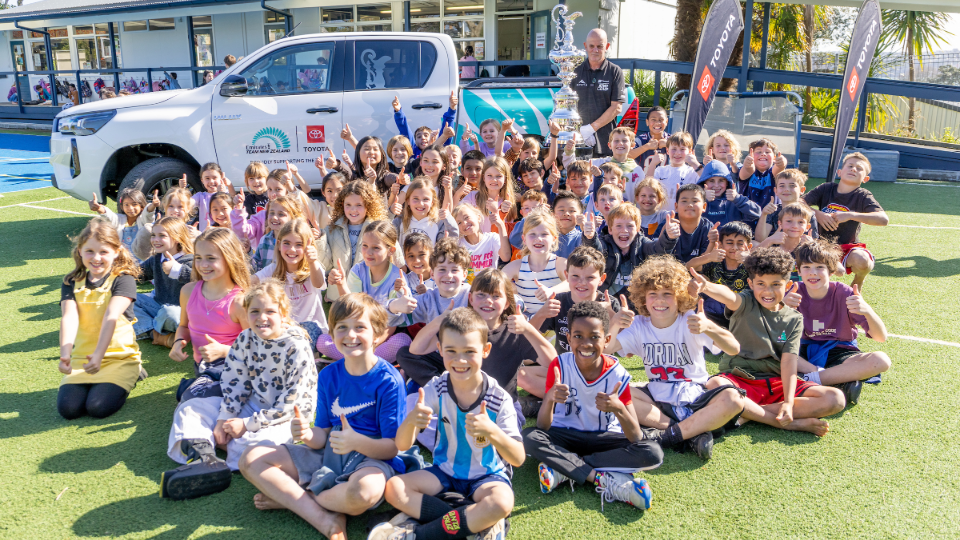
x: 160, y: 174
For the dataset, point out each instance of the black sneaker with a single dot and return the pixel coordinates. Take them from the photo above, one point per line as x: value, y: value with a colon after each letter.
x: 851, y: 391
x: 204, y: 473
x: 702, y: 445
x: 143, y: 374
x: 530, y: 406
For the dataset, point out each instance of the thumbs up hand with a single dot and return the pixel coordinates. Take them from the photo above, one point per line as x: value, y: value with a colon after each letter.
x: 93, y: 363
x: 96, y: 206
x: 155, y: 201
x: 479, y: 424
x: 517, y: 324
x: 346, y: 440
x: 337, y: 275
x: 300, y: 426
x: 710, y: 195
x: 697, y: 283
x: 610, y: 403
x: 672, y: 226
x: 213, y: 350
x: 331, y: 161
x: 697, y: 322
x: 234, y: 427
x: 716, y: 254
x: 792, y: 298
x: 856, y: 304
x: 624, y: 317
x: 771, y: 207
x: 238, y: 199
x: 731, y: 194
x: 543, y: 292
x: 421, y: 414
x: 345, y: 158
x: 714, y: 234
x: 558, y: 393
x: 551, y: 308
x: 183, y: 182
x: 64, y: 365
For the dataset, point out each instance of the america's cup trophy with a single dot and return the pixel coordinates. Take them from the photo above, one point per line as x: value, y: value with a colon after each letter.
x: 566, y: 57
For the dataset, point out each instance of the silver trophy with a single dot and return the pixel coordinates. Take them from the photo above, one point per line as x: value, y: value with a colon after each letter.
x: 566, y: 57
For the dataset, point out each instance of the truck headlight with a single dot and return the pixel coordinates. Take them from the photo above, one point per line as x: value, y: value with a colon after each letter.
x: 84, y: 124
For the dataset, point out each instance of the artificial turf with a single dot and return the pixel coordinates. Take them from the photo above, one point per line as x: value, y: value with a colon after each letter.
x: 887, y: 469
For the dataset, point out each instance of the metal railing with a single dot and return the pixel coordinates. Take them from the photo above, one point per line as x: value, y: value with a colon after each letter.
x: 829, y: 81
x: 112, y: 72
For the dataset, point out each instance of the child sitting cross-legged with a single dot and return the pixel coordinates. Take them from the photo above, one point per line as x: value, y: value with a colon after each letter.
x: 268, y: 371
x: 587, y: 430
x: 158, y: 315
x: 476, y: 446
x: 769, y: 335
x: 344, y: 463
x: 450, y: 262
x: 671, y: 337
x: 831, y: 313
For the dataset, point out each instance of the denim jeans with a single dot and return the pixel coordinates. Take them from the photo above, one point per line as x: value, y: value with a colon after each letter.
x: 152, y: 315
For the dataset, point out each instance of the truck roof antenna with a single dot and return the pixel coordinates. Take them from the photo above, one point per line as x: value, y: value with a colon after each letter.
x: 292, y: 31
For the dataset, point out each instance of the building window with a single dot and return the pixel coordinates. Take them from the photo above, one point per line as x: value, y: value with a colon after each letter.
x: 152, y: 25
x: 365, y: 18
x: 513, y: 29
x: 462, y: 20
x: 274, y: 26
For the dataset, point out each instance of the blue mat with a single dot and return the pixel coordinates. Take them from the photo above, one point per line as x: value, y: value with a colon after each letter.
x: 24, y: 162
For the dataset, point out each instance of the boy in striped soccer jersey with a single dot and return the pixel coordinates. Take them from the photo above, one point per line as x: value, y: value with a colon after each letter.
x: 587, y: 431
x: 478, y: 440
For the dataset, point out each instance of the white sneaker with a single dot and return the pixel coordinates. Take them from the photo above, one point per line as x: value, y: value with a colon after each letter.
x: 550, y: 479
x: 399, y: 528
x: 614, y: 486
x: 497, y: 532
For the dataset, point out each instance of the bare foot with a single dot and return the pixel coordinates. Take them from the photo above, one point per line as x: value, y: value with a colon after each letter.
x: 262, y: 502
x: 332, y: 525
x: 811, y: 425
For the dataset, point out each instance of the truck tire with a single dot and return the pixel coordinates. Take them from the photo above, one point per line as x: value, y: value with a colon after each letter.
x: 160, y: 173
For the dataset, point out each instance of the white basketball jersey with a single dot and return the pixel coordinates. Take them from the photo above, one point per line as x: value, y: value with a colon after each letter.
x: 580, y: 412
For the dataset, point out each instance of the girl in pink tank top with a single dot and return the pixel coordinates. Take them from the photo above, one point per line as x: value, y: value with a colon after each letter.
x: 212, y: 314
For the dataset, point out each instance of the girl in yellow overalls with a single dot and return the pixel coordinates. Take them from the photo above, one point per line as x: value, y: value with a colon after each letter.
x: 98, y: 350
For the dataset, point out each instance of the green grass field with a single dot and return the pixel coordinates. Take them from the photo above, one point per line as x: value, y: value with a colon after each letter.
x: 887, y: 469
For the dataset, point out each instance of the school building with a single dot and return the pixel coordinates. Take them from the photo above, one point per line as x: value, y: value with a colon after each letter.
x: 101, y: 34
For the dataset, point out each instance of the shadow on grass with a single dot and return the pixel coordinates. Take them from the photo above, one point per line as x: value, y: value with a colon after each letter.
x: 29, y: 413
x: 38, y: 239
x: 183, y: 519
x: 923, y: 267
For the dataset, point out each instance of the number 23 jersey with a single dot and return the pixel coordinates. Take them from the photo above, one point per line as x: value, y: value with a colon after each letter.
x: 670, y: 355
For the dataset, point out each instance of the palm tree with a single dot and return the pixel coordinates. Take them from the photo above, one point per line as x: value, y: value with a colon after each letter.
x: 916, y: 31
x: 686, y: 37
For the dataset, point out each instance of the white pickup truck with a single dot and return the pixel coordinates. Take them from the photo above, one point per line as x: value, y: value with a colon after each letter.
x: 288, y: 101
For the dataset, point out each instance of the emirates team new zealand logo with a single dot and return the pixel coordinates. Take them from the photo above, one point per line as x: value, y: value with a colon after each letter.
x: 269, y: 140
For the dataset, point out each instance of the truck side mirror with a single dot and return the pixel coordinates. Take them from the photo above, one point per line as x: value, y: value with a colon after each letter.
x: 233, y: 86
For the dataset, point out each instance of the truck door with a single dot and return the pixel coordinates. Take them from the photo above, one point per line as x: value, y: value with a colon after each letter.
x: 380, y: 68
x: 292, y: 111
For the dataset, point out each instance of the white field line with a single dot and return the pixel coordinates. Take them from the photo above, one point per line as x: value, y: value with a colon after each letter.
x: 25, y: 205
x: 925, y: 340
x: 923, y: 227
x: 36, y: 202
x: 922, y: 184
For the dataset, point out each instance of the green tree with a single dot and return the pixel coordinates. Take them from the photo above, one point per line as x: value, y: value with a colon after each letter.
x: 915, y: 32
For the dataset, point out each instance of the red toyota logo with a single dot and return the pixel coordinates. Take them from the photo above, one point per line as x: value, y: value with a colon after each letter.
x: 706, y: 83
x: 315, y: 134
x: 852, y: 87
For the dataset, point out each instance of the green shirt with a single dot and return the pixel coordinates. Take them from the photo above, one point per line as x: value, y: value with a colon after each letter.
x: 764, y: 336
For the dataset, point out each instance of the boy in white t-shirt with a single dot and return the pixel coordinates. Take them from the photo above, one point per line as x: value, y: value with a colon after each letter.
x: 681, y: 168
x: 670, y: 337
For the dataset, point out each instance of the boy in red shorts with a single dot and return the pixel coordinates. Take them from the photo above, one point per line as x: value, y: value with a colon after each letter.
x: 843, y: 207
x: 769, y: 335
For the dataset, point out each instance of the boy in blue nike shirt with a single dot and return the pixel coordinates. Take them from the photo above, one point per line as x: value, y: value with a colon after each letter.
x: 344, y: 463
x: 477, y: 442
